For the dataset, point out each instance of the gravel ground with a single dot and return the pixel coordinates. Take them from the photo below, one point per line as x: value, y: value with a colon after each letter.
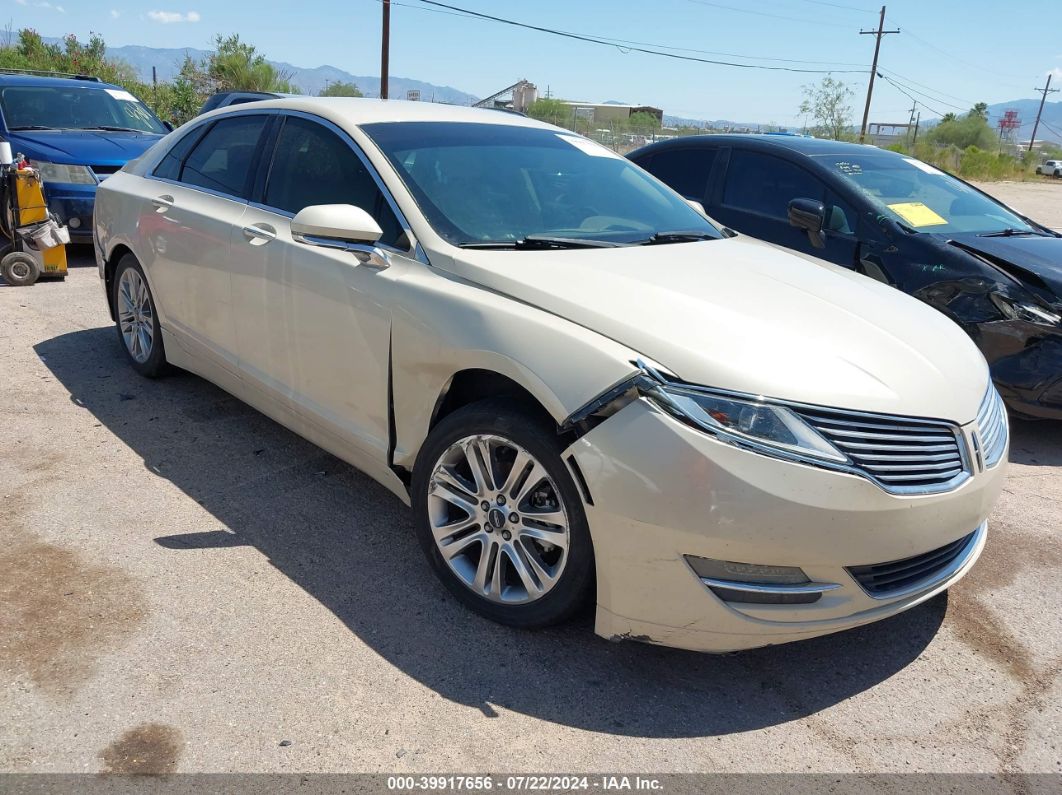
x: 186, y: 586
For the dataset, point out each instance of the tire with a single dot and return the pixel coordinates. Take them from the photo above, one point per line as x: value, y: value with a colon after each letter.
x: 136, y: 320
x: 562, y: 567
x: 19, y: 269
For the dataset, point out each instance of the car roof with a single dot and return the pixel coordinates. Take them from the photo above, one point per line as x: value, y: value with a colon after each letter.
x: 766, y: 142
x: 40, y: 81
x: 356, y: 111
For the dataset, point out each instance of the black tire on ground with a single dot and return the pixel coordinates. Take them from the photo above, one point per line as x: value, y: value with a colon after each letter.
x: 155, y: 364
x: 19, y: 269
x: 516, y: 422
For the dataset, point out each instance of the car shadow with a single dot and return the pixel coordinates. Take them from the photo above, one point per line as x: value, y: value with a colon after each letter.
x: 348, y: 543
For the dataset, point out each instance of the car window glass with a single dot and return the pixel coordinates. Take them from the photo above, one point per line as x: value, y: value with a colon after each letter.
x: 765, y: 184
x: 313, y: 165
x: 685, y: 170
x: 840, y: 215
x: 170, y: 165
x: 221, y: 161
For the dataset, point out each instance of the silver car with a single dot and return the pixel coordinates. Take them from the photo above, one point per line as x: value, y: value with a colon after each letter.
x: 585, y: 389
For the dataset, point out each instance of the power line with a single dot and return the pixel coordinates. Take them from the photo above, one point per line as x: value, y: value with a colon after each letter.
x: 887, y: 79
x: 633, y: 48
x: 656, y: 45
x: 840, y: 5
x: 896, y: 74
x: 923, y: 94
x: 957, y: 59
x: 1043, y: 98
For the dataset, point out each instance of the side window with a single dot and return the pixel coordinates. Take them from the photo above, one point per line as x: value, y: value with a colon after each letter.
x: 221, y: 160
x: 313, y: 165
x: 170, y: 166
x: 686, y: 171
x: 840, y: 215
x: 764, y: 184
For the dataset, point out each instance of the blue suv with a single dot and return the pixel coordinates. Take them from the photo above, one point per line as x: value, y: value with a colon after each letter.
x: 77, y: 131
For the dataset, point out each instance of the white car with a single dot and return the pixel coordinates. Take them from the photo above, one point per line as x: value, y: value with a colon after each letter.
x: 1051, y: 168
x: 584, y: 388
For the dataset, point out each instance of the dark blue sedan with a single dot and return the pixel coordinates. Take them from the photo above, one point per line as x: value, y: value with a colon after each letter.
x: 901, y: 221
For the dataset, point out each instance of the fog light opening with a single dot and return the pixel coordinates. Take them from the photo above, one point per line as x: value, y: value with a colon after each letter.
x: 753, y: 583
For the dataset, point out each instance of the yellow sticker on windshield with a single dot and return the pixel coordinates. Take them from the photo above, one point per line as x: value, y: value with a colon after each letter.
x: 917, y: 214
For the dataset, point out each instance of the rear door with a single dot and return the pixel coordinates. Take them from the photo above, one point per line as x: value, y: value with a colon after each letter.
x: 313, y: 323
x: 753, y: 197
x: 198, y: 199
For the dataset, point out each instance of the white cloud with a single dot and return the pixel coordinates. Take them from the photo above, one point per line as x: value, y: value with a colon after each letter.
x: 42, y: 4
x: 115, y: 13
x: 170, y: 17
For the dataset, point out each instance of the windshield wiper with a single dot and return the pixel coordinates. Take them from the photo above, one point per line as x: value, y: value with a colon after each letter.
x: 538, y: 242
x: 676, y: 236
x: 31, y: 127
x: 1010, y: 232
x: 109, y: 128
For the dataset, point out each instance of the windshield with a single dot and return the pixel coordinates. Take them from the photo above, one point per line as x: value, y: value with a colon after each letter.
x: 922, y: 197
x: 500, y: 184
x: 75, y: 108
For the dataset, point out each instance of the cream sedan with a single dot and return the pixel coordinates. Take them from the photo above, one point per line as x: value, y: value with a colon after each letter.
x: 583, y: 387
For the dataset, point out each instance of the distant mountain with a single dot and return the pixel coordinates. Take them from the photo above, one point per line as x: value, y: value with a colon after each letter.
x: 167, y: 62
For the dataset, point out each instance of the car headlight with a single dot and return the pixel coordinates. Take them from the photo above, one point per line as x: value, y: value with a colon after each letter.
x: 747, y: 422
x: 61, y: 172
x: 1016, y: 309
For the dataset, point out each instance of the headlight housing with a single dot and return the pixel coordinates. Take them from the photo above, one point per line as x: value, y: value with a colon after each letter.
x: 769, y: 428
x: 64, y: 173
x: 1016, y: 309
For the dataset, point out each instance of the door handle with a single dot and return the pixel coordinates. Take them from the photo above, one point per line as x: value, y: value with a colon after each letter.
x: 259, y: 234
x: 162, y: 203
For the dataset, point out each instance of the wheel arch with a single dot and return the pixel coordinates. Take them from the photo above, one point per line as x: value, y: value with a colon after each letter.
x: 109, y: 267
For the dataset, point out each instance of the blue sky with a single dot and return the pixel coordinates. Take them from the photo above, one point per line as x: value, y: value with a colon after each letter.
x: 956, y: 52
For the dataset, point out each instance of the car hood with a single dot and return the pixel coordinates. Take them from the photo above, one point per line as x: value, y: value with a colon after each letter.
x: 81, y: 147
x: 747, y: 316
x: 1036, y: 254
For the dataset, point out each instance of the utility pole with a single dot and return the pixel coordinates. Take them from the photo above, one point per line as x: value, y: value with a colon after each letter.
x: 155, y: 88
x: 910, y: 122
x: 877, y: 34
x: 918, y: 123
x: 1043, y: 98
x: 385, y: 47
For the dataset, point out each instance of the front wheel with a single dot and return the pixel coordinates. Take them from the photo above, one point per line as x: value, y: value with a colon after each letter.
x: 136, y: 319
x: 499, y: 516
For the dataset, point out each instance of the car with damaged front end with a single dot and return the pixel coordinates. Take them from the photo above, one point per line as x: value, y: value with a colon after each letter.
x: 584, y: 389
x: 995, y: 272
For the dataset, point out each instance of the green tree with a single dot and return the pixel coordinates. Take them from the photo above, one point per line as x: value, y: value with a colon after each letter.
x: 237, y: 66
x: 554, y: 111
x: 948, y: 117
x: 828, y: 104
x: 643, y: 123
x: 341, y: 89
x: 980, y: 110
x: 962, y: 132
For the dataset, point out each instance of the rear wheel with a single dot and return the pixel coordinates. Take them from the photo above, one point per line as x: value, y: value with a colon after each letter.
x: 499, y: 517
x: 136, y: 319
x: 19, y: 269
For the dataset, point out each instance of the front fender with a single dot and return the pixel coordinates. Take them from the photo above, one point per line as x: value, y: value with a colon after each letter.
x: 443, y: 326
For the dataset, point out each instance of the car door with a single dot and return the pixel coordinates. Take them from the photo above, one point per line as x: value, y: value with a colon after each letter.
x: 313, y: 323
x: 198, y: 199
x: 753, y: 198
x: 684, y: 169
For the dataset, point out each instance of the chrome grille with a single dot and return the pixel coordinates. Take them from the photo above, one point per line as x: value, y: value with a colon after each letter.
x: 992, y: 427
x: 886, y: 579
x: 902, y: 454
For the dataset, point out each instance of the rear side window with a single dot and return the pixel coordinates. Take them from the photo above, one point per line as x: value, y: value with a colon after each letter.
x: 170, y: 166
x: 313, y: 165
x: 221, y: 161
x: 685, y: 170
x: 765, y: 184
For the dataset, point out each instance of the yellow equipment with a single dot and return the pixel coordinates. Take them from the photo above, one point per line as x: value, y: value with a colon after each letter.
x: 37, y: 247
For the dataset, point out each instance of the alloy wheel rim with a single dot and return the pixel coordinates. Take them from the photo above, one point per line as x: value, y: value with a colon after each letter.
x: 136, y: 316
x: 498, y: 519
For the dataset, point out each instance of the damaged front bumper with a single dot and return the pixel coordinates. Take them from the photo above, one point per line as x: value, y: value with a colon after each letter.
x: 661, y: 493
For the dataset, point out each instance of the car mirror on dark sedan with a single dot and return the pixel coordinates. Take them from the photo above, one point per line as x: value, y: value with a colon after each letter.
x: 810, y: 215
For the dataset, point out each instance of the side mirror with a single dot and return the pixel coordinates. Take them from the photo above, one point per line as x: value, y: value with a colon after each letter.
x: 810, y: 215
x: 341, y: 226
x: 343, y: 223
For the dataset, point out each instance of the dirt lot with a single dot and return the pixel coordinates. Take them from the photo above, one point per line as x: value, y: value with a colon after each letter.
x: 184, y: 585
x: 1039, y: 199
